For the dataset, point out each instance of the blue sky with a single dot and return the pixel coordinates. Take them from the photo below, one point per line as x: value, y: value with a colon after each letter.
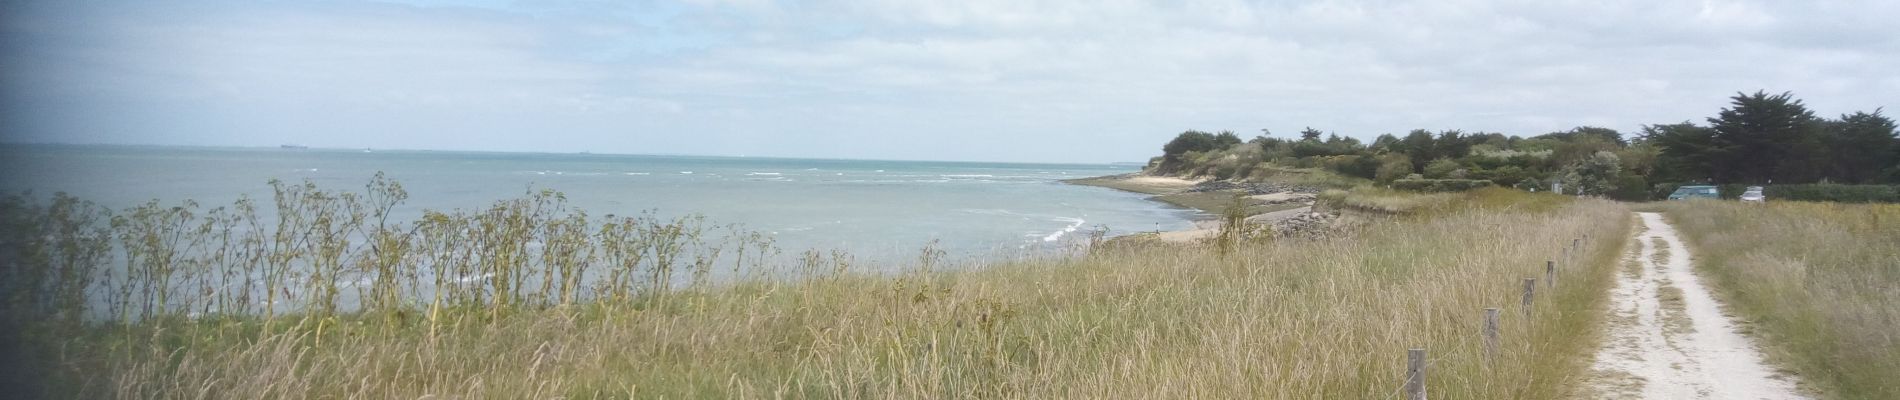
x: 964, y: 80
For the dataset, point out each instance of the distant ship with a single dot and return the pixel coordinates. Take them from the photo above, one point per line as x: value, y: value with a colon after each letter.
x: 295, y: 147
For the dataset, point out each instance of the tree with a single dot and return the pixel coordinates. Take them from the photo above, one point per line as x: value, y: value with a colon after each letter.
x: 1606, y: 134
x: 1310, y: 134
x: 1764, y: 137
x: 1451, y: 144
x: 1186, y: 142
x: 1418, y: 146
x: 1685, y: 152
x: 1225, y: 139
x: 1859, y: 146
x: 1596, y: 175
x: 1385, y: 143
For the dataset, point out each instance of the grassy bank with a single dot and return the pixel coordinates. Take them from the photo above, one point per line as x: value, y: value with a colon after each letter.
x: 1284, y: 319
x: 1816, y: 281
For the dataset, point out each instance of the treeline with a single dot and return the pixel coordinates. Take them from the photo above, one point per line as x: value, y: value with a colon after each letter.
x: 1758, y: 139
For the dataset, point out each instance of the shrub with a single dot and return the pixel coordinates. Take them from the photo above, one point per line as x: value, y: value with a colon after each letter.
x: 1439, y: 185
x: 1834, y: 192
x: 1393, y: 167
x: 1441, y: 168
x: 1815, y: 192
x: 1630, y: 187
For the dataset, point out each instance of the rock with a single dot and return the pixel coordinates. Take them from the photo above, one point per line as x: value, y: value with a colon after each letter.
x: 1310, y: 225
x: 1251, y: 188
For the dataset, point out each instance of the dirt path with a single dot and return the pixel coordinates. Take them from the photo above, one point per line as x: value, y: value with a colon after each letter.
x: 1668, y: 338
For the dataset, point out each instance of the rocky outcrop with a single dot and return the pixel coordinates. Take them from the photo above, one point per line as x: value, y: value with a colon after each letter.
x: 1251, y: 188
x: 1310, y: 225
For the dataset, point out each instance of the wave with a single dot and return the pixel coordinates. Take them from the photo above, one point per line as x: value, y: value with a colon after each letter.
x: 1074, y: 223
x: 968, y: 176
x: 639, y: 173
x: 763, y: 174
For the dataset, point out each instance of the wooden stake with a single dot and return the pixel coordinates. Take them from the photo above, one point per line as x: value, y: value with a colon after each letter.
x: 1550, y: 274
x: 1530, y: 289
x: 1490, y: 333
x: 1415, y: 374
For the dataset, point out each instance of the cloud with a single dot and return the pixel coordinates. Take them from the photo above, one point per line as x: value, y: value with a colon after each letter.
x: 980, y: 80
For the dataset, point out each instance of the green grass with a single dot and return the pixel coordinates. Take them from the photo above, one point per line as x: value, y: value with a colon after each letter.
x: 1815, y: 281
x: 1280, y: 319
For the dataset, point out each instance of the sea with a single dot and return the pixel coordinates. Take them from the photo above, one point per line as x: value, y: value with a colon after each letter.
x: 879, y: 211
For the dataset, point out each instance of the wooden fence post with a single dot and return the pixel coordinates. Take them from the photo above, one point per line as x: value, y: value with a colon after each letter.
x: 1530, y: 289
x: 1415, y: 374
x: 1550, y: 274
x: 1490, y: 333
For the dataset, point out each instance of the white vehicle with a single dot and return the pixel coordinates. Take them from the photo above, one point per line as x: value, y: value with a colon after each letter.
x: 1753, y: 195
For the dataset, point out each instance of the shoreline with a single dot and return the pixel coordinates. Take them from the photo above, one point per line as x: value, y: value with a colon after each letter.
x: 1262, y: 209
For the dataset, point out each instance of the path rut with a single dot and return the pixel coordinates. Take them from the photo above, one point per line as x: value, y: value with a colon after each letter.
x: 1668, y: 337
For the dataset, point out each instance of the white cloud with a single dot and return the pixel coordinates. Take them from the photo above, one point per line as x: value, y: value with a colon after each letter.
x: 1045, y: 80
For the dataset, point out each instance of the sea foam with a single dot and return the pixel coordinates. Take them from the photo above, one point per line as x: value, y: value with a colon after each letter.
x: 1073, y: 224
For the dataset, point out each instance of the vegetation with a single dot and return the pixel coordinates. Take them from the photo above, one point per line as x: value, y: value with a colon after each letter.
x: 529, y: 299
x: 1439, y: 185
x: 1759, y: 139
x: 1815, y: 280
x: 1822, y: 192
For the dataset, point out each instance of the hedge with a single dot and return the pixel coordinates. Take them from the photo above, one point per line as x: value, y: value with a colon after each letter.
x: 1834, y: 192
x: 1808, y: 192
x: 1439, y: 185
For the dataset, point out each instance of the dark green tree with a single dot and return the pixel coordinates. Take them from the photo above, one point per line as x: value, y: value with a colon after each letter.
x: 1310, y: 134
x: 1385, y: 143
x: 1186, y: 142
x: 1763, y: 137
x: 1685, y: 152
x: 1451, y: 144
x: 1225, y: 140
x: 1419, y: 147
x: 1860, y: 147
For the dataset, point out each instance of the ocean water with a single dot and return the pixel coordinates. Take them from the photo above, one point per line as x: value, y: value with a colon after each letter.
x: 879, y: 211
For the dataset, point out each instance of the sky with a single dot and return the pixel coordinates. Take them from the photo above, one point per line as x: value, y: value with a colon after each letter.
x: 975, y: 80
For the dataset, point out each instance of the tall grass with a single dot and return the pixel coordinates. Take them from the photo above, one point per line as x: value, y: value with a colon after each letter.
x: 1819, y: 282
x: 475, y: 310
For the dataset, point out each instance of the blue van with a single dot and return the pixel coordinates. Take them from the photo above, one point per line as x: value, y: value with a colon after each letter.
x: 1694, y: 192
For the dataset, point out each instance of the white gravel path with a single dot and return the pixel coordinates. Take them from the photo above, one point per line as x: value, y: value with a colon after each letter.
x: 1652, y: 352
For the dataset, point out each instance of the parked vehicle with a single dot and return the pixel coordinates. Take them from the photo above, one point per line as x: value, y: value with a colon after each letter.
x: 1694, y: 192
x: 1753, y: 195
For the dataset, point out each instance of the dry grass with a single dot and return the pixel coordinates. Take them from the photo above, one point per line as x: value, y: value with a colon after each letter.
x: 1284, y: 319
x: 1820, y: 282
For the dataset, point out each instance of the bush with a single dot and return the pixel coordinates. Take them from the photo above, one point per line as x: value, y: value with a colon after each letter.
x: 1630, y: 187
x: 1393, y: 167
x: 1441, y: 168
x: 1804, y: 192
x: 1353, y: 165
x: 1834, y: 192
x: 1439, y: 185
